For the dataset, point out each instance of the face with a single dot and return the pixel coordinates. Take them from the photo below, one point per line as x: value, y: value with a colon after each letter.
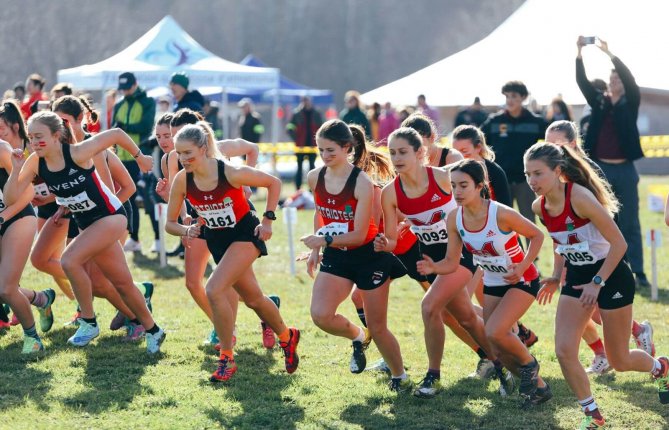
x: 615, y: 84
x: 464, y: 189
x: 559, y: 138
x: 31, y: 87
x: 176, y: 129
x: 351, y: 103
x: 164, y: 137
x: 189, y: 154
x: 540, y: 177
x: 177, y: 90
x: 6, y: 131
x: 467, y: 148
x: 421, y: 101
x: 514, y: 101
x: 41, y: 137
x: 331, y: 153
x: 403, y: 156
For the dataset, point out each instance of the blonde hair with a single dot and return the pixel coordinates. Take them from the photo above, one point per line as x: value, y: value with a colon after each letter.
x: 201, y: 135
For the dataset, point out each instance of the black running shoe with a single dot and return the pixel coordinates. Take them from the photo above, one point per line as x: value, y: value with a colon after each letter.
x: 399, y: 385
x: 428, y: 387
x: 529, y: 377
x: 541, y: 395
x: 358, y: 359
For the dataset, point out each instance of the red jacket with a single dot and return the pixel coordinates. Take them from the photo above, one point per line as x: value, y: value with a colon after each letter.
x: 27, y: 104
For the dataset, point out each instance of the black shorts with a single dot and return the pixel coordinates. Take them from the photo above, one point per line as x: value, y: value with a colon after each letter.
x: 72, y: 229
x: 409, y: 260
x: 219, y: 240
x: 531, y: 288
x: 128, y: 213
x: 363, y: 266
x: 618, y: 291
x: 86, y: 219
x: 27, y: 211
x: 436, y: 252
x: 48, y: 210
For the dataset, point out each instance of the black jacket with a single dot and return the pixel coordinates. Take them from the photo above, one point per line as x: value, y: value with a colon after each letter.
x: 625, y: 112
x: 192, y: 100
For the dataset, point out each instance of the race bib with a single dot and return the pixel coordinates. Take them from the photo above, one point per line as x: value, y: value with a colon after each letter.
x: 577, y: 254
x: 333, y: 229
x: 79, y: 203
x: 219, y: 218
x: 41, y: 190
x: 494, y: 264
x: 431, y: 234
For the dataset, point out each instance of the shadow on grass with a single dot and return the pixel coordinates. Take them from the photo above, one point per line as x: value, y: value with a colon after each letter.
x: 259, y: 393
x: 662, y: 295
x: 153, y: 264
x: 640, y: 395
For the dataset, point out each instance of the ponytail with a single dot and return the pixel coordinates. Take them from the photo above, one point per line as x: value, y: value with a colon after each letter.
x: 477, y: 171
x: 11, y: 114
x: 375, y: 164
x: 91, y: 113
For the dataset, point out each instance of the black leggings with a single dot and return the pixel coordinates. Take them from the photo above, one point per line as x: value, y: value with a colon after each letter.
x: 135, y: 174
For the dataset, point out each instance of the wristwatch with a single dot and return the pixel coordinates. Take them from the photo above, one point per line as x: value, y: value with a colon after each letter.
x: 328, y: 240
x: 597, y: 280
x: 270, y: 215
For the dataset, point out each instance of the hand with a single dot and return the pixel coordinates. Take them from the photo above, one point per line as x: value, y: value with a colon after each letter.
x: 580, y: 43
x: 589, y: 294
x: 380, y: 242
x: 548, y: 287
x: 313, y: 241
x: 603, y: 46
x: 304, y: 256
x: 192, y: 232
x: 39, y: 200
x: 145, y: 163
x: 312, y: 262
x: 264, y: 230
x: 425, y: 266
x: 247, y: 192
x: 514, y: 274
x: 18, y: 158
x: 163, y: 188
x: 62, y: 211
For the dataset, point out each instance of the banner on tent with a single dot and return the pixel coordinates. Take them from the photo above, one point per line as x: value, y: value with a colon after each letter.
x: 157, y: 78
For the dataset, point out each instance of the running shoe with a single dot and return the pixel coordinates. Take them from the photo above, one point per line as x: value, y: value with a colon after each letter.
x: 529, y: 376
x: 118, y: 321
x: 291, y: 357
x: 4, y: 326
x: 148, y: 294
x: 268, y: 339
x: 399, y: 385
x: 592, y: 423
x: 14, y: 321
x: 368, y: 339
x: 527, y: 336
x: 132, y: 245
x: 600, y: 365
x: 358, y: 359
x: 663, y: 381
x: 645, y: 339
x: 507, y: 383
x: 542, y: 395
x: 485, y: 369
x: 46, y: 313
x: 134, y: 332
x: 177, y: 252
x: 379, y: 365
x: 84, y: 334
x: 156, y: 246
x: 153, y: 341
x: 226, y: 368
x: 74, y: 321
x: 428, y: 387
x: 31, y: 345
x: 212, y: 339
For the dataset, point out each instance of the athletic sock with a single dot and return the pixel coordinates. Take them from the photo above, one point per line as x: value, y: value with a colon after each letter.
x: 589, y: 407
x: 39, y: 299
x: 31, y: 332
x: 361, y: 336
x: 481, y: 353
x: 657, y: 368
x: 598, y: 347
x: 91, y: 321
x: 434, y: 372
x: 403, y: 376
x: 153, y: 330
x: 285, y: 336
x: 361, y: 315
x: 227, y: 353
x: 636, y: 329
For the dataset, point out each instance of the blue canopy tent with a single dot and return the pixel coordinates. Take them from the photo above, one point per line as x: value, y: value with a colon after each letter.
x: 290, y: 91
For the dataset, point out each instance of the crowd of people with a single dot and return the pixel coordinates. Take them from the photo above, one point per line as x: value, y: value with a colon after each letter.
x: 443, y: 216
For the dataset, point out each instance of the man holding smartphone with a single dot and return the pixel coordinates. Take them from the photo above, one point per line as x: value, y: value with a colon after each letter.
x: 612, y: 141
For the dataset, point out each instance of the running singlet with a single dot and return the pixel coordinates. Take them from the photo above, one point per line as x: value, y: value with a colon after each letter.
x: 576, y: 239
x: 494, y: 250
x: 338, y: 210
x: 78, y: 189
x: 222, y: 207
x: 427, y: 213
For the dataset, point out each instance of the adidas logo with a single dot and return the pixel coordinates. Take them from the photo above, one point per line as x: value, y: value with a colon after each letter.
x: 568, y: 220
x: 435, y: 198
x: 490, y: 233
x: 72, y: 172
x: 617, y: 295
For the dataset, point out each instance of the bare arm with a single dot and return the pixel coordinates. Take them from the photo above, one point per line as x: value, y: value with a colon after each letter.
x: 22, y: 174
x: 239, y: 147
x: 121, y: 176
x: 84, y: 151
x: 177, y: 196
x: 449, y: 264
x: 510, y: 220
x: 12, y: 207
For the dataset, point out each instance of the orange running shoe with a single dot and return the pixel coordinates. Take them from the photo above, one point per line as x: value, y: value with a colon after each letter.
x: 290, y: 350
x: 226, y: 368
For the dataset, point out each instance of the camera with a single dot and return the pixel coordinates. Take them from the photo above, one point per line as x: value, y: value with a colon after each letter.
x: 589, y: 40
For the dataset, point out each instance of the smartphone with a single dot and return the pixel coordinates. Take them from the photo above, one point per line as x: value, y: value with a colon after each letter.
x: 590, y: 40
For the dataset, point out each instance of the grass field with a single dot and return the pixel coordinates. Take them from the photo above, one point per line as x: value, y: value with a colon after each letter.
x: 114, y: 385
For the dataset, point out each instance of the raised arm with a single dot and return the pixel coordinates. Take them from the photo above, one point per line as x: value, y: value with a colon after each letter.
x: 587, y: 89
x: 239, y: 147
x: 84, y: 151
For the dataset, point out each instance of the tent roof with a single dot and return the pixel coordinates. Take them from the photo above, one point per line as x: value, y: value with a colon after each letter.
x: 537, y: 44
x: 164, y: 49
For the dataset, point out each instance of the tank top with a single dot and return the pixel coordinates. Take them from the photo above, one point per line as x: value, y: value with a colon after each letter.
x: 493, y: 249
x: 80, y: 190
x: 576, y: 239
x: 338, y: 210
x: 222, y: 207
x: 427, y: 213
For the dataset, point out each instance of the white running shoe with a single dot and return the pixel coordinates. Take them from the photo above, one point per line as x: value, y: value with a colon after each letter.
x: 132, y: 245
x: 645, y: 339
x: 156, y: 246
x: 153, y: 341
x: 84, y: 334
x: 485, y: 369
x: 600, y: 365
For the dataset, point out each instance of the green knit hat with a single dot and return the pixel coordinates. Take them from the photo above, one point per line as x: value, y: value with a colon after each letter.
x: 180, y: 78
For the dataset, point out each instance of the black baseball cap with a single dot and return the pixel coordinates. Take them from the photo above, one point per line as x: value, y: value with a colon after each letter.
x: 126, y: 81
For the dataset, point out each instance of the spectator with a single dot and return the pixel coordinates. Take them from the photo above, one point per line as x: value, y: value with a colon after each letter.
x: 162, y: 107
x: 34, y: 85
x: 601, y: 86
x: 19, y: 91
x: 250, y: 125
x: 388, y: 122
x: 373, y: 118
x: 558, y: 111
x: 134, y: 114
x: 60, y: 89
x: 353, y: 114
x: 302, y: 129
x: 185, y: 99
x: 612, y: 141
x: 110, y: 100
x: 510, y: 132
x: 473, y: 115
x: 211, y: 109
x: 428, y: 111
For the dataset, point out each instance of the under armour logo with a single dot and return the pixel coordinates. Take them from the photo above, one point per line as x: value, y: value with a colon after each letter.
x: 331, y: 201
x: 209, y: 197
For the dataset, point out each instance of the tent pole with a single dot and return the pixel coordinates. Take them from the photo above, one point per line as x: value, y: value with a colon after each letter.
x: 103, y: 110
x: 224, y: 113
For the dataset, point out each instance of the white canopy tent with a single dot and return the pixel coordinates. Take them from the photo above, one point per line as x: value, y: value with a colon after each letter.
x: 537, y: 44
x: 167, y: 48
